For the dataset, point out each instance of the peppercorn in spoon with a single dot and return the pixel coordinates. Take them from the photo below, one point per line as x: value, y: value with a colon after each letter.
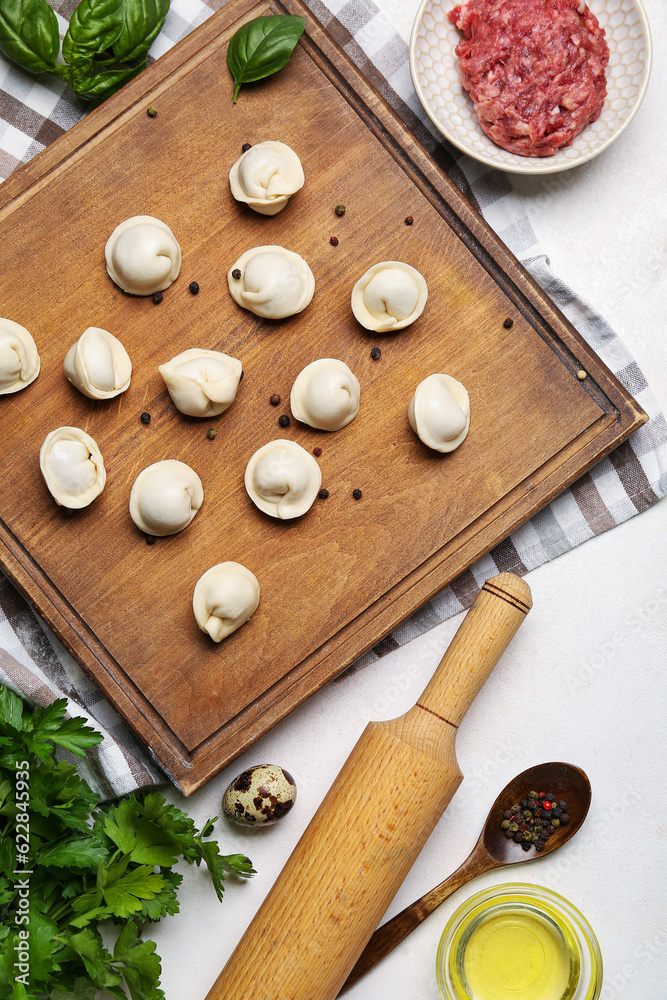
x: 539, y: 793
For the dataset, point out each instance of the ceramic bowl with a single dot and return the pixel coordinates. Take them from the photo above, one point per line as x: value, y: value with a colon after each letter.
x: 435, y: 75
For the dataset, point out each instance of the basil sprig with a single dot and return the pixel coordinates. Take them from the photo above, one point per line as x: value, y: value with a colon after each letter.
x: 105, y: 46
x: 261, y: 47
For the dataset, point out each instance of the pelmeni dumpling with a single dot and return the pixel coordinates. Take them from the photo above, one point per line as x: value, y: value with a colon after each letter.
x: 325, y: 395
x: 225, y: 597
x: 98, y: 364
x: 266, y: 176
x: 165, y: 497
x: 143, y: 256
x: 282, y: 479
x: 72, y: 466
x: 389, y: 296
x: 274, y: 282
x: 19, y: 360
x: 439, y: 412
x: 202, y: 383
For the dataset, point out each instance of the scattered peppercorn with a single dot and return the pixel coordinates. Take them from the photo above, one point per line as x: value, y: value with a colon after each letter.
x: 150, y: 539
x: 581, y: 375
x: 145, y: 418
x: 339, y: 209
x: 323, y: 493
x: 409, y: 220
x: 157, y: 298
x: 357, y: 494
x: 333, y: 240
x: 194, y: 287
x: 317, y: 452
x: 274, y: 399
x: 284, y: 420
x: 246, y: 146
x: 236, y: 274
x: 376, y: 354
x: 211, y: 433
x: 151, y: 111
x: 508, y: 323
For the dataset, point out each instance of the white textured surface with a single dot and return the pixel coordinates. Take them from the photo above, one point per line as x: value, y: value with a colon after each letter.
x: 436, y: 72
x: 584, y: 681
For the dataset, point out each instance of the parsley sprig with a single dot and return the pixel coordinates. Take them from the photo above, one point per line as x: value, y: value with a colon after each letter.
x: 85, y: 863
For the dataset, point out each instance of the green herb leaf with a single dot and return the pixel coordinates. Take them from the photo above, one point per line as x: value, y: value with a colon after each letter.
x: 29, y: 34
x: 141, y: 24
x: 94, y: 26
x: 261, y: 47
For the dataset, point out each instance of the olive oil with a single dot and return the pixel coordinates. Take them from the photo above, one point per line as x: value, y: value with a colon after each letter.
x: 516, y: 952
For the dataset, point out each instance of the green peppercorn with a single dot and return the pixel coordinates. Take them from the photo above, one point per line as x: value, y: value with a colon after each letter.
x: 526, y: 835
x: 151, y: 111
x: 514, y: 827
x: 527, y: 814
x: 339, y: 209
x: 505, y: 824
x: 532, y: 795
x: 555, y: 822
x: 211, y: 433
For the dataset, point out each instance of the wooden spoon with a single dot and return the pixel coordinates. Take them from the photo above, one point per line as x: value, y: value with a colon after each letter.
x: 492, y: 850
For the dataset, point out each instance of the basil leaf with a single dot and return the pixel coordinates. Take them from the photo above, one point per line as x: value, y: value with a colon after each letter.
x: 99, y: 86
x: 29, y: 34
x: 93, y: 28
x: 141, y: 24
x: 261, y: 47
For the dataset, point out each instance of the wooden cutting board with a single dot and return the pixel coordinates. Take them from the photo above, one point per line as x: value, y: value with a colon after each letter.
x: 340, y: 578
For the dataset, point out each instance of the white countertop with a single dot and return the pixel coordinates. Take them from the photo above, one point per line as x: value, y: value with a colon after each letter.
x: 589, y: 662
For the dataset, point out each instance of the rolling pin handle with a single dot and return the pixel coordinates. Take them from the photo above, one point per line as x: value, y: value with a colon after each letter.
x: 482, y: 638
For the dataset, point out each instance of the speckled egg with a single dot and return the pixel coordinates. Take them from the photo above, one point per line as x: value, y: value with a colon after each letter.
x: 259, y: 796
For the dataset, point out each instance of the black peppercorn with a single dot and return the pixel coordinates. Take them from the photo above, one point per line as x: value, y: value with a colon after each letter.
x: 376, y: 354
x: 194, y: 287
x: 409, y: 220
x: 236, y: 274
x: 562, y: 806
x: 323, y: 493
x: 157, y: 298
x: 246, y: 146
x: 564, y: 818
x: 357, y: 494
x: 284, y: 420
x: 145, y: 418
x: 274, y: 399
x: 150, y: 539
x: 333, y: 240
x: 508, y: 323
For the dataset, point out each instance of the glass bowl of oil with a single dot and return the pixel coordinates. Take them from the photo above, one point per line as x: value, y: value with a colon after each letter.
x: 518, y: 942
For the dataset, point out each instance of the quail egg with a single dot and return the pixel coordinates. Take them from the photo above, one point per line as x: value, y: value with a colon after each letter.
x: 259, y: 796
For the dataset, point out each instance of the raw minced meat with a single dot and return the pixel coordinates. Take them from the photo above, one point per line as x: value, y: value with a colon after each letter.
x: 535, y: 70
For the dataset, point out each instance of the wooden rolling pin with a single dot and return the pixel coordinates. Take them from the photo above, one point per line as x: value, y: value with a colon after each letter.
x: 350, y: 861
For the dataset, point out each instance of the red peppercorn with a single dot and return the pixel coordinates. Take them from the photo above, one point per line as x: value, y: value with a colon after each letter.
x: 317, y: 452
x: 546, y: 805
x: 333, y: 240
x: 409, y: 220
x: 541, y: 794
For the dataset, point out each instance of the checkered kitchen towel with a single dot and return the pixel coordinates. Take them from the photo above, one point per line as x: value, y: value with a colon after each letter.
x: 34, y: 112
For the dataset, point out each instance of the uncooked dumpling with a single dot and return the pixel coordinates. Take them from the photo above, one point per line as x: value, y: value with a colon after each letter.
x: 266, y: 176
x: 72, y: 466
x: 225, y: 597
x: 282, y: 479
x: 439, y: 412
x: 389, y: 296
x: 165, y: 497
x: 98, y: 364
x: 273, y: 282
x: 202, y: 383
x: 325, y: 395
x: 143, y: 256
x: 19, y: 360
